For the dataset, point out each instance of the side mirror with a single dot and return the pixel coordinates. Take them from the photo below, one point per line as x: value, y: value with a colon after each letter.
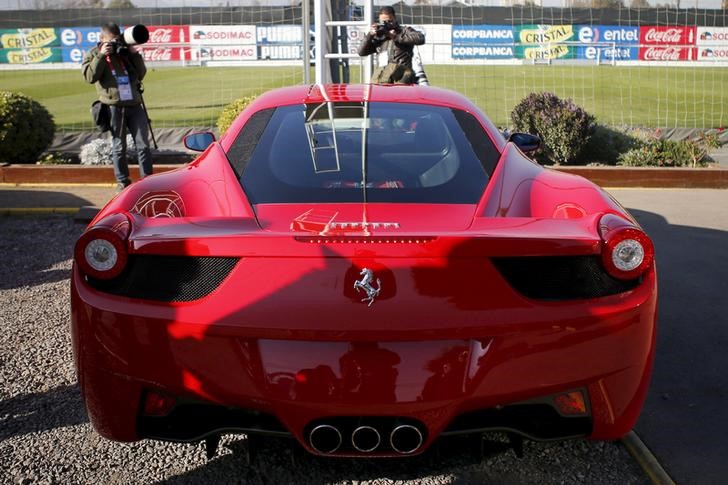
x: 525, y: 141
x: 199, y: 141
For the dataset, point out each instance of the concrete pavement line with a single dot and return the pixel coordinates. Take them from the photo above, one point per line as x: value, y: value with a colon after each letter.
x: 18, y: 211
x: 661, y: 188
x: 59, y: 184
x: 646, y: 460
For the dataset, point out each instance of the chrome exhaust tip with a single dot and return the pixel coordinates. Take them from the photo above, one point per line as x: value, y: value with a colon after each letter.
x: 365, y: 439
x: 405, y: 439
x: 325, y: 439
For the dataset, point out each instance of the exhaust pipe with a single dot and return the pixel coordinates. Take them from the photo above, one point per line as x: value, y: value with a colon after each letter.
x: 365, y: 439
x: 325, y: 439
x: 405, y: 439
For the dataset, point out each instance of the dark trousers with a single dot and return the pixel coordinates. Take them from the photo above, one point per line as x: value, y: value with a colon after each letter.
x: 133, y: 120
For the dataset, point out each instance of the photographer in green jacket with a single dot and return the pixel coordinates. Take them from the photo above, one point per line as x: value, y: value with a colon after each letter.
x: 117, y: 71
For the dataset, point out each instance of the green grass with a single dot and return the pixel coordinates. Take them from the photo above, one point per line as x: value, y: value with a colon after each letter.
x: 174, y: 96
x: 193, y: 96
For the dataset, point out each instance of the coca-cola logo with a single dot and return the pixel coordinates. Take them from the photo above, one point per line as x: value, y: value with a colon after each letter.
x: 667, y: 36
x: 662, y: 53
x: 158, y: 54
x: 160, y: 36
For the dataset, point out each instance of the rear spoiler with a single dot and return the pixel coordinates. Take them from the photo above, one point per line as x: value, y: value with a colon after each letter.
x: 491, y: 236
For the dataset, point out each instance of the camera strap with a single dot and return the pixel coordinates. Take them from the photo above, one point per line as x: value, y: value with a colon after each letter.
x: 386, y: 53
x: 390, y: 51
x: 123, y: 81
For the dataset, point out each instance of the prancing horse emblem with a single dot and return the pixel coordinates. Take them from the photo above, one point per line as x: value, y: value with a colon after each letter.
x: 365, y: 283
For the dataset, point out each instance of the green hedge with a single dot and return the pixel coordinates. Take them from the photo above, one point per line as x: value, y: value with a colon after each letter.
x: 564, y: 127
x: 656, y: 152
x: 26, y: 128
x: 231, y: 111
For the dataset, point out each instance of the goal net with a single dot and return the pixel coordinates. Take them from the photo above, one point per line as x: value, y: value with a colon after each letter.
x: 638, y: 64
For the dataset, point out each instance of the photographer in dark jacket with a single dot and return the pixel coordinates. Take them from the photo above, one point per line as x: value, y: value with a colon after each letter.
x: 398, y: 42
x: 117, y: 70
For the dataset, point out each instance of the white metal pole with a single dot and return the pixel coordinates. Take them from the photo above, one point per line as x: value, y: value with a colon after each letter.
x: 306, y: 27
x: 367, y: 61
x: 323, y: 71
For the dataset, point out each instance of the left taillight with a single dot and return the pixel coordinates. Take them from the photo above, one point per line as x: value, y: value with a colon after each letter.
x: 101, y: 252
x: 627, y: 251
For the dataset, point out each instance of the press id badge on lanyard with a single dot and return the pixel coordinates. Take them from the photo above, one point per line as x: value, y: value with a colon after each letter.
x: 123, y: 82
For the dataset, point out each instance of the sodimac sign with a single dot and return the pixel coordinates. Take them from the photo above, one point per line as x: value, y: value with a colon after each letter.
x: 223, y: 34
x: 713, y: 36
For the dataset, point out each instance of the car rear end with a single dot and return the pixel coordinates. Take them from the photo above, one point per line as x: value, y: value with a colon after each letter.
x: 364, y: 311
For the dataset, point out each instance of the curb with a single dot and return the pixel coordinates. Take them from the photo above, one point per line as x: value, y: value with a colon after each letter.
x: 23, y: 211
x: 643, y: 177
x: 59, y: 184
x: 653, y: 177
x: 646, y: 460
x: 69, y: 174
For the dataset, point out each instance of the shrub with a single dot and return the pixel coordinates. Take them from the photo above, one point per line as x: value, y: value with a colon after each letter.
x: 655, y: 152
x: 564, y: 127
x: 231, y: 111
x: 606, y: 145
x: 710, y: 139
x: 53, y: 158
x: 26, y: 128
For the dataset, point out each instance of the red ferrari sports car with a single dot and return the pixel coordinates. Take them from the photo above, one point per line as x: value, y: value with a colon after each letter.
x: 366, y: 270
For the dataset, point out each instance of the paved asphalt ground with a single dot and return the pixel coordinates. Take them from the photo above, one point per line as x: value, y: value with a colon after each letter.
x: 45, y: 436
x: 685, y: 420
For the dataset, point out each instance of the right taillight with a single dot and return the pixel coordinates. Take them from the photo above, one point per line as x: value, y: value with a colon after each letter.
x: 627, y: 251
x: 101, y: 252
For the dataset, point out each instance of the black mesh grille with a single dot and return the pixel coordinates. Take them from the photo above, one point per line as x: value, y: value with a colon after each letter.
x: 560, y: 277
x: 168, y: 278
x: 247, y: 140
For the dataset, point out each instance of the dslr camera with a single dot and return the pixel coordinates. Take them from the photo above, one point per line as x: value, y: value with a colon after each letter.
x: 135, y: 35
x: 119, y: 47
x: 383, y: 29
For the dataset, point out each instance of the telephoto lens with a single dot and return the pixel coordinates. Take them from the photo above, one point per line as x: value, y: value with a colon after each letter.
x: 136, y: 35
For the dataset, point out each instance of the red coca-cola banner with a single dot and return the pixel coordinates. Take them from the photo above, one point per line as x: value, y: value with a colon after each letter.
x: 681, y: 35
x: 667, y: 53
x: 168, y: 34
x: 160, y: 53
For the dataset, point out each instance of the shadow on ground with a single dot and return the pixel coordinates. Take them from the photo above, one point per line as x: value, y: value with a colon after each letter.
x: 41, y: 411
x: 13, y: 198
x: 279, y: 460
x: 27, y: 264
x: 688, y: 400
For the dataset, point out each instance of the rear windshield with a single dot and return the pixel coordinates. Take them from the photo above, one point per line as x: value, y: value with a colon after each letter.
x: 378, y: 152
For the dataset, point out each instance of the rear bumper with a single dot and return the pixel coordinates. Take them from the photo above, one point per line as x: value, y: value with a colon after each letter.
x: 125, y: 347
